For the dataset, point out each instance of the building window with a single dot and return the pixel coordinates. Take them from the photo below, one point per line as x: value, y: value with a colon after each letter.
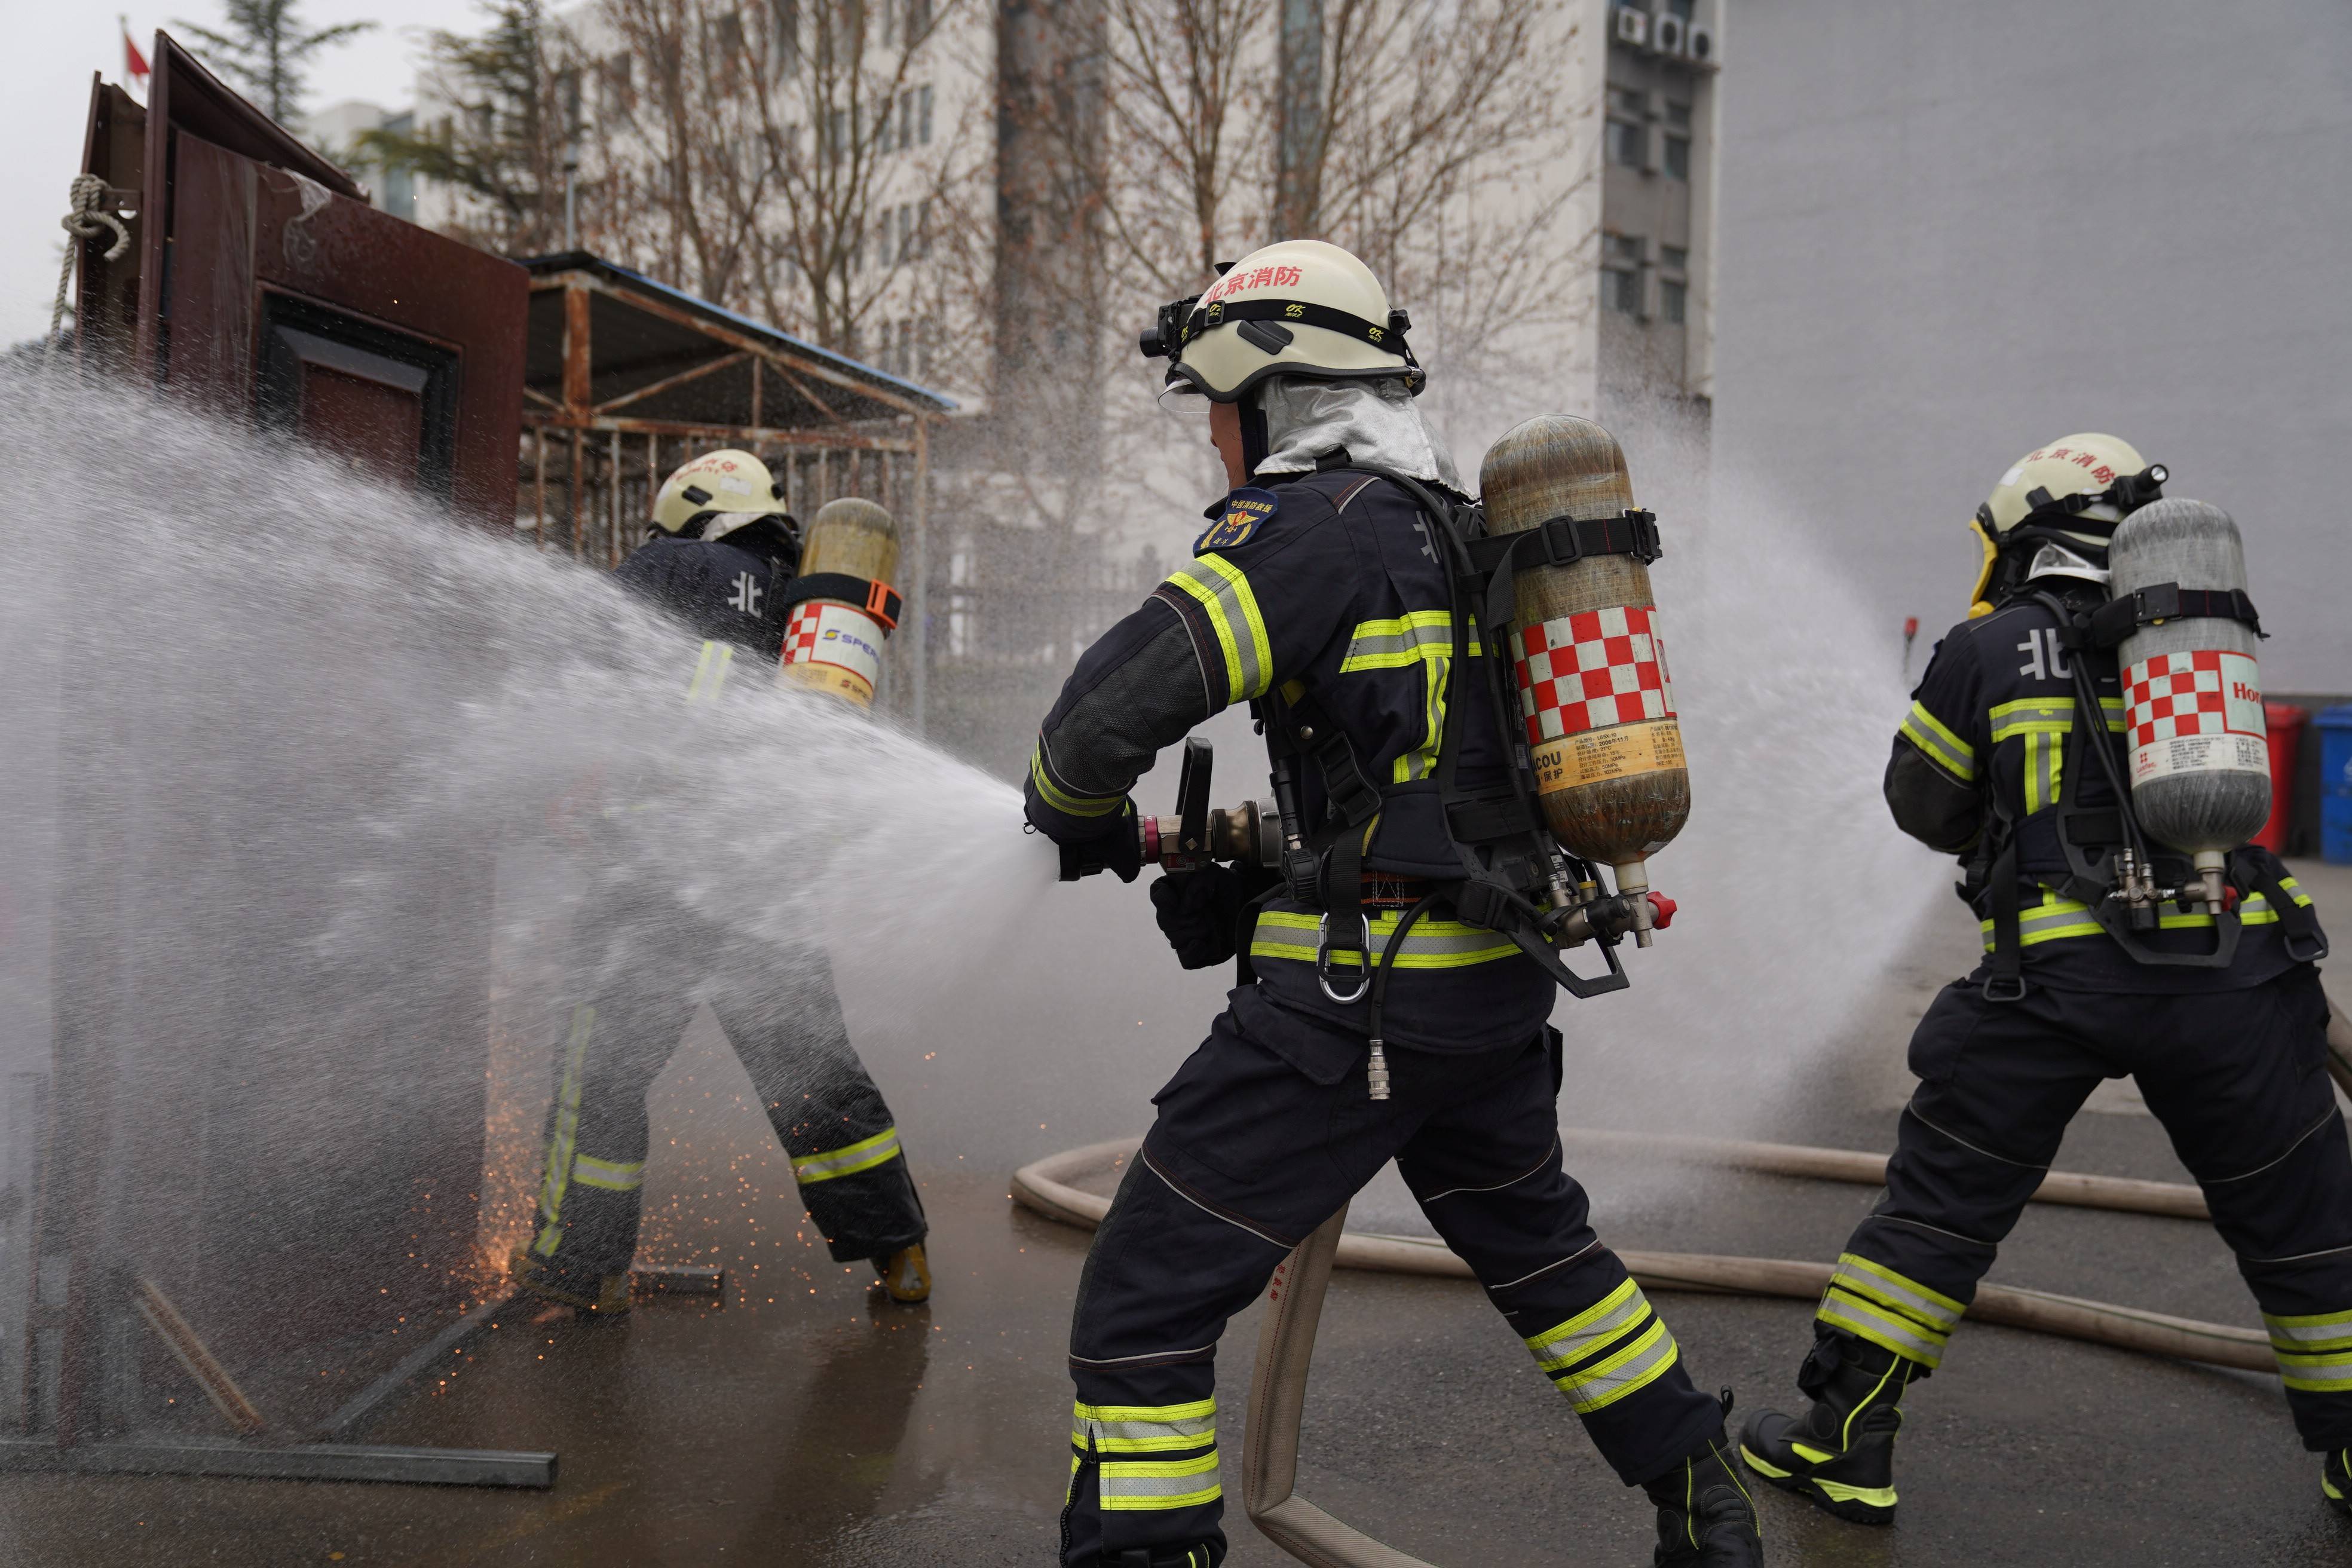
x: 1681, y: 8
x: 727, y: 33
x: 1620, y: 277
x: 1673, y: 258
x: 1673, y: 299
x: 918, y: 20
x: 1626, y: 144
x: 923, y: 115
x: 1677, y: 161
x: 1678, y: 114
x: 1626, y: 102
x: 907, y: 119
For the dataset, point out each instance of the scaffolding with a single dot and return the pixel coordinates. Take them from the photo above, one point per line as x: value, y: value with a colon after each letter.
x: 626, y: 378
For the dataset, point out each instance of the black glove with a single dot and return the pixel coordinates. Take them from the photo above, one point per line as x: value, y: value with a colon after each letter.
x: 1118, y: 851
x: 1198, y: 912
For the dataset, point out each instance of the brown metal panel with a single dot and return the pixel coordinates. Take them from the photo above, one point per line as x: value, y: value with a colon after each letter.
x: 368, y: 264
x: 212, y: 246
x: 106, y: 303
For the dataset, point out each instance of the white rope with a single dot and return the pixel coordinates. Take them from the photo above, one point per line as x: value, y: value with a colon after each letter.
x: 85, y: 218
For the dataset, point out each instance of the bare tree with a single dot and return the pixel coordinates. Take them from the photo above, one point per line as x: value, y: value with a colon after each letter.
x: 787, y: 159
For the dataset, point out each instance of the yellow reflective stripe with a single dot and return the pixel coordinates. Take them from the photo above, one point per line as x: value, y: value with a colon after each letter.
x: 1430, y: 944
x: 1927, y: 732
x: 1628, y: 1370
x: 1839, y: 1492
x: 862, y: 1155
x: 1893, y: 1330
x: 1138, y: 1485
x: 613, y: 1175
x: 1062, y: 800
x: 2316, y: 1331
x: 1144, y: 1428
x: 2054, y: 917
x: 566, y: 1132
x: 2293, y: 890
x: 1223, y: 589
x: 2046, y: 716
x: 1402, y: 640
x: 1933, y: 1308
x: 711, y: 671
x: 2315, y: 1373
x: 1422, y: 761
x: 1599, y: 1325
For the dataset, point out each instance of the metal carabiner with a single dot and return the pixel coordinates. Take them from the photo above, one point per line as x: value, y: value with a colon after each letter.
x: 1323, y: 959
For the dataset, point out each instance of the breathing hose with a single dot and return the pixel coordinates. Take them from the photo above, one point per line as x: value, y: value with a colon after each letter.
x: 1295, y: 1297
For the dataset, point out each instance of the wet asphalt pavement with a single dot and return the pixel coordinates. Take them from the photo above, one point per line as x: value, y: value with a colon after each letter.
x: 807, y: 1421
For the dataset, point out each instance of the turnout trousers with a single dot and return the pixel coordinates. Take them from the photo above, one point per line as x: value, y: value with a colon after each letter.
x: 1262, y: 1134
x: 647, y: 965
x: 2238, y: 1078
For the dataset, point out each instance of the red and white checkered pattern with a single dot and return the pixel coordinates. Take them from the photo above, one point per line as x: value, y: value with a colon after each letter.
x: 1591, y: 670
x: 2176, y: 694
x: 800, y: 632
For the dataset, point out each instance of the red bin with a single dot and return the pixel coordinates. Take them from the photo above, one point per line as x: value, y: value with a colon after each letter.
x: 2286, y: 723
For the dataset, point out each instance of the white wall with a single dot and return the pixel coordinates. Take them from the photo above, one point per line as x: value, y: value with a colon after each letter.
x: 1951, y: 233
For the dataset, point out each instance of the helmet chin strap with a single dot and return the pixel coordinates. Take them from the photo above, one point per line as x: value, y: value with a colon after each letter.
x: 1255, y: 446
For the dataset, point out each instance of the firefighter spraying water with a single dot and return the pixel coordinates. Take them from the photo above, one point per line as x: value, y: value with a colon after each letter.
x: 1400, y: 934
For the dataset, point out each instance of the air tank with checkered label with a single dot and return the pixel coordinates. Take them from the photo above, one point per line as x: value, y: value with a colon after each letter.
x: 2192, y: 691
x: 834, y: 638
x: 1593, y: 686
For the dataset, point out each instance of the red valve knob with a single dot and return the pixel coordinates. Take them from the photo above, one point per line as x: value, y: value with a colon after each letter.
x: 1665, y: 908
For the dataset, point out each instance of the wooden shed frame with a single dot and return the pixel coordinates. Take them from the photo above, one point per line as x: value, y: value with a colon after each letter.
x: 607, y: 414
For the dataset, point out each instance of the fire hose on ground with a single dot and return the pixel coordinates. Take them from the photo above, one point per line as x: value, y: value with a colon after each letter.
x: 1295, y: 1298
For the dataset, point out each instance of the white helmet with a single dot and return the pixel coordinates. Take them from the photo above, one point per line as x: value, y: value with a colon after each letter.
x: 718, y: 493
x: 1300, y: 307
x: 2067, y: 496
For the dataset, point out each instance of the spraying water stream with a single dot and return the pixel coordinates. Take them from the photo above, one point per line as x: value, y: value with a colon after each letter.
x: 324, y: 734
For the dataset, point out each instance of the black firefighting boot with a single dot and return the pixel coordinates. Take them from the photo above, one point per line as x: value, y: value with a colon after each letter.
x: 1705, y: 1517
x: 1840, y: 1453
x: 2336, y: 1480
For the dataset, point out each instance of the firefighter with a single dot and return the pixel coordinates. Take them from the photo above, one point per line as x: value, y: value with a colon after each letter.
x: 719, y: 556
x: 2230, y: 1058
x: 1316, y: 588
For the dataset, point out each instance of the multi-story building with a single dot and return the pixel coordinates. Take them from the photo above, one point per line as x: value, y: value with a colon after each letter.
x: 926, y: 164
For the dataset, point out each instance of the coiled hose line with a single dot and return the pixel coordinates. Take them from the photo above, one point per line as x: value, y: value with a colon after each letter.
x: 1286, y: 1342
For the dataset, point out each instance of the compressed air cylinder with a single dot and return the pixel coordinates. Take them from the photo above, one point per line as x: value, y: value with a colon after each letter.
x: 835, y: 643
x: 1593, y: 687
x: 2200, y: 771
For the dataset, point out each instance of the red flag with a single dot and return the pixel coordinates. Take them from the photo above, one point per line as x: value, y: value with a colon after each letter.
x: 134, y: 64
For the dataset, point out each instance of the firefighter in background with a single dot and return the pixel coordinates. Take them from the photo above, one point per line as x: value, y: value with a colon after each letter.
x: 1317, y: 581
x: 719, y: 554
x: 2231, y: 1060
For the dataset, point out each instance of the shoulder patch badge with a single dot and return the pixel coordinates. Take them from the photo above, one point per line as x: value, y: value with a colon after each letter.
x: 1244, y: 511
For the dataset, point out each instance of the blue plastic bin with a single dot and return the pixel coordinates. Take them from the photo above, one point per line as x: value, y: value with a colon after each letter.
x: 2335, y: 727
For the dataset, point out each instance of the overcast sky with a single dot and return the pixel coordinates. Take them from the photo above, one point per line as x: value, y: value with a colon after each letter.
x: 43, y: 112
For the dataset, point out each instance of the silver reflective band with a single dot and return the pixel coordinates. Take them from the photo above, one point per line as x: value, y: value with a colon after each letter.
x: 1890, y: 1331
x: 1631, y: 1369
x: 1864, y: 1277
x: 2327, y: 1331
x: 1145, y: 1428
x: 1128, y: 1485
x: 1589, y: 1330
x: 862, y: 1155
x: 616, y: 1177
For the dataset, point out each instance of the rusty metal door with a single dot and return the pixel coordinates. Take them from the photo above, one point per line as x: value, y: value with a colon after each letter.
x: 294, y: 1224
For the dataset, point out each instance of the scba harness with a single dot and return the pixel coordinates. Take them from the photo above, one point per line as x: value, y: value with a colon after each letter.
x: 1488, y: 853
x: 2100, y: 856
